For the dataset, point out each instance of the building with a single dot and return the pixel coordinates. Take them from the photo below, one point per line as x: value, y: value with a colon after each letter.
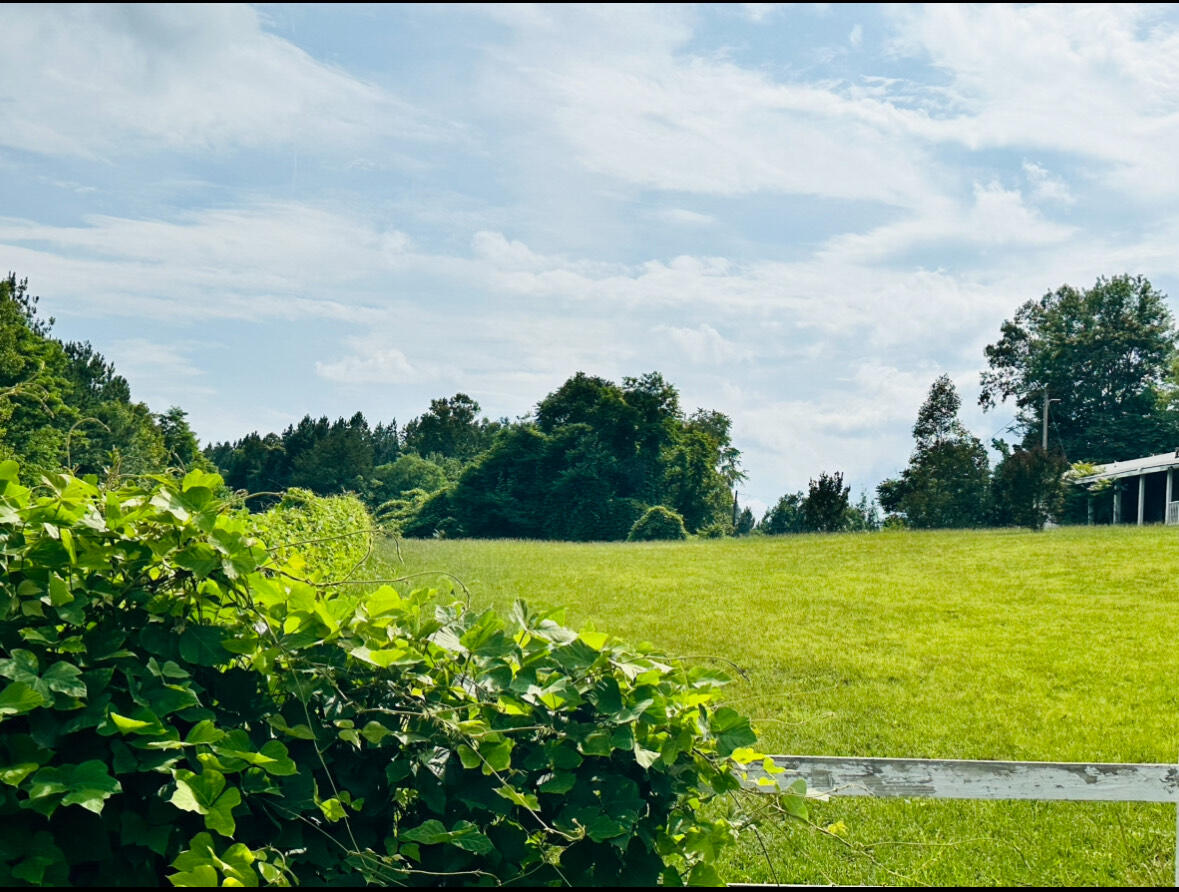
x: 1141, y: 490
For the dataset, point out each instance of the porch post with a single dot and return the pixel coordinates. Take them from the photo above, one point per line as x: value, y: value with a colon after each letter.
x: 1117, y: 506
x: 1089, y: 510
x: 1167, y: 507
x: 1141, y: 496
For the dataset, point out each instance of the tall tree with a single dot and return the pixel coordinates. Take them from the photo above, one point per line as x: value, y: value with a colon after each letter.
x: 945, y: 484
x: 450, y: 428
x: 785, y: 516
x: 1101, y: 355
x: 824, y: 510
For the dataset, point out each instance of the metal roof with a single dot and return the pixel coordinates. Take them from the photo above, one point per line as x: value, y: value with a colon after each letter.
x: 1133, y: 467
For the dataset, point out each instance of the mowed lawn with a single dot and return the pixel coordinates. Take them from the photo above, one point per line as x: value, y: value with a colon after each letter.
x: 998, y: 644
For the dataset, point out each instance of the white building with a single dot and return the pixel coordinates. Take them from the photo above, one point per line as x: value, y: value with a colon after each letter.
x: 1143, y: 489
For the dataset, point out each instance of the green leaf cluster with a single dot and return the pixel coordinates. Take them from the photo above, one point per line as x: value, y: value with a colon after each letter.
x: 183, y: 700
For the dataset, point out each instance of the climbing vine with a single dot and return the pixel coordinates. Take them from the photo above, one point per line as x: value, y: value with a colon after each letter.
x: 181, y: 699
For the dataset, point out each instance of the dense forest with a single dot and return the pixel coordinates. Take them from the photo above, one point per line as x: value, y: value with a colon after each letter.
x: 594, y: 457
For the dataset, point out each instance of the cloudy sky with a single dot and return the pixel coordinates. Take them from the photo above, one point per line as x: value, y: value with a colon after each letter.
x: 800, y: 215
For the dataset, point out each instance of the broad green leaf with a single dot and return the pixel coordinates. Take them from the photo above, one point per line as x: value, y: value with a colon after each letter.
x: 558, y: 782
x: 14, y: 774
x: 644, y: 756
x: 18, y: 698
x: 468, y: 756
x: 204, y: 732
x: 704, y: 874
x: 333, y: 810
x: 201, y: 876
x: 428, y: 833
x: 496, y: 756
x: 65, y: 678
x: 526, y: 800
x: 89, y: 785
x: 603, y: 827
x: 206, y: 794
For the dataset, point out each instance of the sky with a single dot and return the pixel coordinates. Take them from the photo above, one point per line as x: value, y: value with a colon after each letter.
x: 800, y: 215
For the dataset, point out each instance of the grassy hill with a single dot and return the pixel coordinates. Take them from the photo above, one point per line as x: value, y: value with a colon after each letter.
x: 998, y: 644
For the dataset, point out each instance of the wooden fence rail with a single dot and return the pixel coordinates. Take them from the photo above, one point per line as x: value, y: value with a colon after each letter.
x: 966, y: 779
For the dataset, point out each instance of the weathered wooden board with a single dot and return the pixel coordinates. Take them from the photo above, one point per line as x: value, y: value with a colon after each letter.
x: 963, y: 779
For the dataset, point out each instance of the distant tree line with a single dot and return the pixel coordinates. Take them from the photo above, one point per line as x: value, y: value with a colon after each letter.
x: 588, y: 464
x: 595, y: 457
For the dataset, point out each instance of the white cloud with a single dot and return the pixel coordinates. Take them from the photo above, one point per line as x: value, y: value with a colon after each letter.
x: 265, y: 260
x: 684, y: 217
x: 372, y: 364
x: 654, y: 115
x: 856, y: 37
x: 705, y: 344
x: 1098, y: 81
x: 997, y: 217
x: 1045, y: 186
x: 106, y: 80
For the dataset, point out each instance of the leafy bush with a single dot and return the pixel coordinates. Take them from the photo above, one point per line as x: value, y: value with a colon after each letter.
x: 310, y: 526
x: 180, y: 703
x: 657, y: 523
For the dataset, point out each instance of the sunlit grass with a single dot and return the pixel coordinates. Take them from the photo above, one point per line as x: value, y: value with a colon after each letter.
x: 1059, y: 646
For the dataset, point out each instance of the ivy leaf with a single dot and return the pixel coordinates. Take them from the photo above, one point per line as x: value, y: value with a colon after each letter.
x: 204, y: 732
x: 704, y: 874
x: 14, y: 774
x: 65, y: 678
x: 332, y: 810
x: 206, y: 794
x: 558, y: 782
x: 202, y: 645
x: 18, y: 698
x: 90, y: 785
x: 428, y: 833
x: 41, y: 855
x: 645, y: 757
x: 525, y: 800
x: 732, y: 731
x: 603, y: 827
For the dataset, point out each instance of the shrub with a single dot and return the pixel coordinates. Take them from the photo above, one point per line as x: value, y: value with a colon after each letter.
x: 658, y: 523
x: 309, y: 525
x: 179, y: 703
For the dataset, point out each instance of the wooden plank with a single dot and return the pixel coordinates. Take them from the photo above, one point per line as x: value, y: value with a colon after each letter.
x: 966, y: 779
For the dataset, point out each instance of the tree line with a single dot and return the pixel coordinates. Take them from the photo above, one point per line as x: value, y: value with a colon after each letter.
x: 596, y: 456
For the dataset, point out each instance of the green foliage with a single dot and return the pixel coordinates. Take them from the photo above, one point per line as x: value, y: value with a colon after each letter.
x: 825, y: 508
x: 785, y: 516
x: 408, y: 472
x: 180, y: 702
x: 1103, y: 354
x: 1029, y: 487
x: 325, y: 457
x: 598, y: 455
x: 62, y: 404
x: 657, y: 523
x: 451, y: 428
x: 330, y: 535
x: 946, y: 482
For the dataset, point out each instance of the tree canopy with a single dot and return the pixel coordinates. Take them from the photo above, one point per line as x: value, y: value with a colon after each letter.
x: 63, y: 405
x: 596, y: 456
x: 1103, y: 354
x: 945, y: 484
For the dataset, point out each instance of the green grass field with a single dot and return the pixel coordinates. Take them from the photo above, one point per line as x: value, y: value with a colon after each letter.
x: 1001, y: 644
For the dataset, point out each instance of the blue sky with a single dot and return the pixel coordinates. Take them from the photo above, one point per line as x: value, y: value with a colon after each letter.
x: 801, y: 215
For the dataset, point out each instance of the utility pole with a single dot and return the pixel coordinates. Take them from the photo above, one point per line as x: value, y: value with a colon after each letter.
x: 1044, y: 437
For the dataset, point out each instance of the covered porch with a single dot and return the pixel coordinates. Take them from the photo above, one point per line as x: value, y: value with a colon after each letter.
x: 1142, y: 491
